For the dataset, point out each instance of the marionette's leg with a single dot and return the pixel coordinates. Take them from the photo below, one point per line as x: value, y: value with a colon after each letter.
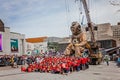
x: 67, y: 51
x: 78, y: 51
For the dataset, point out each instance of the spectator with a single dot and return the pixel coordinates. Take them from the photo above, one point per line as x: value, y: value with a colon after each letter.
x: 106, y: 59
x: 118, y: 61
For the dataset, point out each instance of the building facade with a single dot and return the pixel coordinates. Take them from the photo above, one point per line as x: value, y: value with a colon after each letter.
x: 101, y: 32
x: 36, y: 46
x: 11, y: 42
x: 116, y: 33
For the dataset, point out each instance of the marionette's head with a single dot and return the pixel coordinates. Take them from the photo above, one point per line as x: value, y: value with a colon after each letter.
x: 75, y: 28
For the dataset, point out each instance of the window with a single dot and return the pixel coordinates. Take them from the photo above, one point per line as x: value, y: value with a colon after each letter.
x: 95, y: 28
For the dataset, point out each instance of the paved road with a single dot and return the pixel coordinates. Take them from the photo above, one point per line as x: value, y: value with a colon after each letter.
x: 95, y: 72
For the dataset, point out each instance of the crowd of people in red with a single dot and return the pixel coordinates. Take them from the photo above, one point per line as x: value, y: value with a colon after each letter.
x: 58, y: 65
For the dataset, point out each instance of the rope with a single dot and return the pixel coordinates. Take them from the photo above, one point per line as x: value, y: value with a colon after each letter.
x: 67, y: 14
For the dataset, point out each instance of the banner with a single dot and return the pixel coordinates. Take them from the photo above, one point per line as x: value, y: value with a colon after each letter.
x: 14, y: 45
x: 0, y: 42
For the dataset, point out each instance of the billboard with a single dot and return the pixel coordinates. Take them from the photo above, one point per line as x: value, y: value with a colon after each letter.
x: 0, y: 42
x: 14, y: 45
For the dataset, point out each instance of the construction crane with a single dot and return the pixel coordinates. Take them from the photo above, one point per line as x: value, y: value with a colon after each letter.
x: 95, y: 55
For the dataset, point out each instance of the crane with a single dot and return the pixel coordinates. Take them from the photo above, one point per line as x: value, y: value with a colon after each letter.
x: 94, y: 55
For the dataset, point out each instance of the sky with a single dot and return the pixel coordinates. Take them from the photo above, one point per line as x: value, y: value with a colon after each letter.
x: 52, y: 18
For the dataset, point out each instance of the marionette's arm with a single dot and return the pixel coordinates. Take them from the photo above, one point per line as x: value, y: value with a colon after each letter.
x: 83, y: 40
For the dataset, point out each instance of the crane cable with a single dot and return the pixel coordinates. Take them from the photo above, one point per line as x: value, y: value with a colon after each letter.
x: 67, y: 13
x: 80, y: 12
x: 69, y: 16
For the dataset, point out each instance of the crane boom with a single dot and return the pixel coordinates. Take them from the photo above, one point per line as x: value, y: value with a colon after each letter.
x: 88, y: 20
x: 95, y: 55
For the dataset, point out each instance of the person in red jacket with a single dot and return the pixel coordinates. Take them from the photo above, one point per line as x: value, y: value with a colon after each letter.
x: 87, y: 63
x: 78, y: 64
x: 83, y: 63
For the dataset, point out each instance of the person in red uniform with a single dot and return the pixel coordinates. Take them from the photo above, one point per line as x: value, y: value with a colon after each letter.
x: 83, y: 63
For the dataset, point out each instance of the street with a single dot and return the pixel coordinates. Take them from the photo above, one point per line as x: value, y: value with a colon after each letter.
x: 95, y: 72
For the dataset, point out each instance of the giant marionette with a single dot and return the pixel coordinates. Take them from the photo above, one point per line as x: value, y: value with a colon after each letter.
x: 78, y: 41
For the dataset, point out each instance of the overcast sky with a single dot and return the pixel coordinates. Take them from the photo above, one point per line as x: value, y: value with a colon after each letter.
x: 36, y: 18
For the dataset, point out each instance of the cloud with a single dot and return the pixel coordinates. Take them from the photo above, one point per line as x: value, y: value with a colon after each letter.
x: 50, y: 17
x: 52, y: 25
x: 103, y: 12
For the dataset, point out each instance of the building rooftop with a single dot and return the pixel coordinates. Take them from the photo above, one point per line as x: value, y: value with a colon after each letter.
x: 36, y: 40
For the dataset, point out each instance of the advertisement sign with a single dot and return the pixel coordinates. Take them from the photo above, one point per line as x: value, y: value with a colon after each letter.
x: 0, y: 42
x: 14, y: 45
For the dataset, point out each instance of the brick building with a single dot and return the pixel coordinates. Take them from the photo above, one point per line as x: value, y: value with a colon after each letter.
x: 116, y: 33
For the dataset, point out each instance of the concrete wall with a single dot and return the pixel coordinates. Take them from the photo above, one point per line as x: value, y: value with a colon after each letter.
x: 21, y: 42
x: 103, y: 32
x: 6, y: 43
x: 116, y: 33
x: 31, y: 47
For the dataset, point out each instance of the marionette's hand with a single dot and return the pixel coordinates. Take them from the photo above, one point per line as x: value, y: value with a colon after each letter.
x: 76, y: 45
